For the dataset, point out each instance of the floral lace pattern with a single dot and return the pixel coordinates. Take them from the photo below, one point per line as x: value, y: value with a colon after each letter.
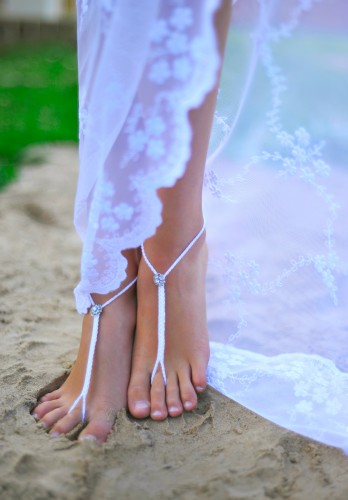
x: 274, y: 194
x: 316, y: 391
x: 153, y: 144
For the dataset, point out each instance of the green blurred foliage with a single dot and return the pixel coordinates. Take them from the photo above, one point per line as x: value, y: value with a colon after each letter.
x: 38, y: 101
x: 315, y: 67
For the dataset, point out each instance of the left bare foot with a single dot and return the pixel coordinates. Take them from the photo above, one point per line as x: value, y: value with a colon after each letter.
x: 110, y: 375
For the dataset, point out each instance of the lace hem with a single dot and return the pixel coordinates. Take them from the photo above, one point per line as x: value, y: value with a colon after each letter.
x: 153, y: 147
x: 311, y: 390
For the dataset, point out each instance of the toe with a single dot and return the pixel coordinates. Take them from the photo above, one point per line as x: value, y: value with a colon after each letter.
x: 187, y: 392
x: 139, y: 394
x: 99, y: 426
x: 173, y: 396
x: 158, y: 398
x: 52, y: 417
x: 67, y: 422
x: 199, y: 375
x: 50, y: 396
x: 43, y: 408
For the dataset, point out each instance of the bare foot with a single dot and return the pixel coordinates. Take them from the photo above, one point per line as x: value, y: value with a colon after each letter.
x: 187, y: 344
x: 110, y: 375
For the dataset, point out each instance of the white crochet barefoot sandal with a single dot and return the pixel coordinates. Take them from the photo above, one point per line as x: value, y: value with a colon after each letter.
x: 160, y: 281
x: 95, y: 311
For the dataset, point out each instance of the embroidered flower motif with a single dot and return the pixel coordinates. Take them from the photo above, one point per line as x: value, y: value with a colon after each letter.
x: 159, y: 71
x: 108, y: 223
x: 302, y: 136
x: 320, y: 394
x: 155, y: 149
x: 123, y: 211
x: 172, y: 40
x: 181, y: 18
x: 304, y: 406
x: 177, y: 43
x: 159, y: 31
x: 181, y: 68
x: 155, y: 125
x: 107, y: 206
x: 108, y: 189
x: 137, y: 141
x: 301, y: 389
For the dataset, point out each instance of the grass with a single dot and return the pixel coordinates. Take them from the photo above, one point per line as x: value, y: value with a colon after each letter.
x: 38, y: 101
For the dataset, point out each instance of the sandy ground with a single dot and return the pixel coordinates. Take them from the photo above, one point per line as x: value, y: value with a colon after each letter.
x: 219, y: 451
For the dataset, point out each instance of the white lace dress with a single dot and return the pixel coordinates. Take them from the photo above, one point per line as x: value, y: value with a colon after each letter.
x: 276, y: 184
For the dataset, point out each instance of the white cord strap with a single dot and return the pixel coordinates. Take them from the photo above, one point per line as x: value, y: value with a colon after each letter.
x: 160, y: 281
x: 95, y: 311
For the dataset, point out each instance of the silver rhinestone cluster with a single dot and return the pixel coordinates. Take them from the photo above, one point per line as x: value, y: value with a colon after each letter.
x: 159, y: 279
x: 96, y: 310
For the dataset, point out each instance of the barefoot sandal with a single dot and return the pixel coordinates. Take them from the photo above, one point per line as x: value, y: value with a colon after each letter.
x: 160, y: 281
x: 95, y: 311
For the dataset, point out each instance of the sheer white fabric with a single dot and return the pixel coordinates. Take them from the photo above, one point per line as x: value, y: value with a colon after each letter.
x: 142, y: 66
x: 276, y: 183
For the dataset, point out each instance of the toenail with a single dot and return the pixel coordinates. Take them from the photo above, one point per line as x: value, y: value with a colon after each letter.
x: 89, y: 437
x: 141, y: 405
x: 174, y: 409
x: 36, y: 416
x: 156, y: 413
x: 188, y: 405
x: 200, y: 388
x: 43, y: 424
x: 55, y: 434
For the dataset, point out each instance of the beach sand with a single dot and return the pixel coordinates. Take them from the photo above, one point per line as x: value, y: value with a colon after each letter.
x: 220, y: 451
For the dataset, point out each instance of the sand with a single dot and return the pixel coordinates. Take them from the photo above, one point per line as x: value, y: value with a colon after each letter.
x: 220, y: 451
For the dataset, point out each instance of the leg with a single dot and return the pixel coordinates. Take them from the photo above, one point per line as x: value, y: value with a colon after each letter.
x: 111, y: 362
x: 187, y: 345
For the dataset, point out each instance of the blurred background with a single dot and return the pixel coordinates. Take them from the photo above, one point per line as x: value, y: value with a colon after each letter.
x: 38, y: 79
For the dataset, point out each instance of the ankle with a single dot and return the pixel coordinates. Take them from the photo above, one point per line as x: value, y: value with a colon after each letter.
x: 163, y: 251
x: 175, y: 233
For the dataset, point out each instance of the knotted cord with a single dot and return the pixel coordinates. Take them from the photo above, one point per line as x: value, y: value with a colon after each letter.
x: 160, y: 281
x: 95, y: 311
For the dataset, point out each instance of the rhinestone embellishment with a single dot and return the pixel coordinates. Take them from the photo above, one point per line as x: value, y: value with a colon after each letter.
x: 96, y: 310
x: 159, y: 279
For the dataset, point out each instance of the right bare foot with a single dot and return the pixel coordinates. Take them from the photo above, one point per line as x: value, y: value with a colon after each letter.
x: 187, y: 343
x: 110, y: 375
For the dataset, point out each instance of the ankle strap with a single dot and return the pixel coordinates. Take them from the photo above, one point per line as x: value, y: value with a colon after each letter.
x: 160, y: 281
x: 95, y: 311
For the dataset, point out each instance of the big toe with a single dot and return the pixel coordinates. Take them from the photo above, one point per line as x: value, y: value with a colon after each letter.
x: 99, y: 426
x: 174, y: 404
x: 199, y: 375
x: 158, y: 398
x: 187, y: 391
x: 139, y: 395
